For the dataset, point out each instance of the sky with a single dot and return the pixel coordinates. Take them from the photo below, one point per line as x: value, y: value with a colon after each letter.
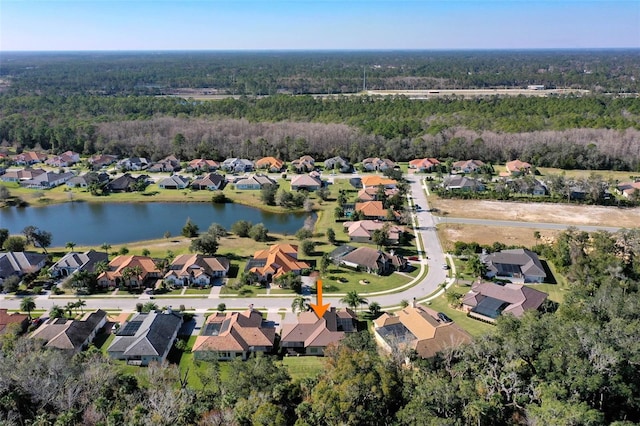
x: 49, y: 25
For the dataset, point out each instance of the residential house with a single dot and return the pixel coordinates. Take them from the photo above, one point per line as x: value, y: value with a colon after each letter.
x: 423, y: 165
x: 122, y: 270
x: 373, y: 194
x: 466, y: 166
x: 126, y: 183
x: 75, y: 261
x: 237, y: 165
x: 188, y: 269
x: 373, y: 261
x: 338, y: 164
x: 17, y: 320
x: 375, y: 181
x: 210, y: 181
x: 527, y: 185
x: 230, y: 335
x: 20, y: 263
x: 275, y: 261
x: 168, y: 164
x: 306, y: 182
x: 462, y: 183
x: 174, y: 182
x: 47, y: 180
x: 83, y: 181
x: 70, y: 335
x: 66, y: 159
x: 254, y: 182
x: 133, y: 163
x: 304, y: 164
x: 377, y: 164
x: 487, y: 301
x: 419, y: 329
x: 374, y: 210
x: 203, y: 165
x: 311, y: 335
x: 271, y: 164
x: 517, y: 167
x: 628, y: 189
x: 146, y: 338
x: 21, y: 175
x: 516, y: 265
x: 356, y: 182
x: 29, y: 158
x: 362, y: 230
x: 101, y: 160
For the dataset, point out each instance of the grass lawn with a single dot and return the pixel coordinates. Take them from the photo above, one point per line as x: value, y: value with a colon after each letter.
x: 472, y: 326
x: 302, y: 367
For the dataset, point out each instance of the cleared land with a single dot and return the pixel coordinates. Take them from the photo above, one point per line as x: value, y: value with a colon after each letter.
x: 570, y: 214
x: 486, y: 235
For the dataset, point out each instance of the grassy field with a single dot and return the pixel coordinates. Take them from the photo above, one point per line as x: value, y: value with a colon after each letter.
x: 304, y: 366
x: 451, y: 232
x: 472, y: 326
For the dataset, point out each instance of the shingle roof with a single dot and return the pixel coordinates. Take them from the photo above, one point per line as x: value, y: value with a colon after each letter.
x: 152, y: 338
x: 69, y: 334
x: 19, y: 263
x: 526, y: 261
x: 239, y: 331
x: 518, y: 297
x: 317, y: 332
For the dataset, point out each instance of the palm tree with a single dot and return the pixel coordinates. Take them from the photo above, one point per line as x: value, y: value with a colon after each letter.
x: 69, y: 307
x: 106, y: 247
x: 100, y: 267
x: 28, y: 304
x: 81, y: 304
x: 70, y: 245
x: 56, y: 312
x: 299, y: 304
x: 374, y: 309
x: 353, y: 300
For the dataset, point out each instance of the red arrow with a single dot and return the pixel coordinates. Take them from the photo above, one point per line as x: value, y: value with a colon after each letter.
x: 319, y: 308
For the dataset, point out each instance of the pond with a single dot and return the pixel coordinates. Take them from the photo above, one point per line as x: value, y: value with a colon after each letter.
x: 116, y: 223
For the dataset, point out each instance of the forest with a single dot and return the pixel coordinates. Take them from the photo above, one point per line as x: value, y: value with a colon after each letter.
x: 574, y: 364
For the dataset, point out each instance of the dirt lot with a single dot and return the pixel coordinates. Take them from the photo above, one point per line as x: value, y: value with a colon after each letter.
x: 571, y: 214
x: 487, y: 235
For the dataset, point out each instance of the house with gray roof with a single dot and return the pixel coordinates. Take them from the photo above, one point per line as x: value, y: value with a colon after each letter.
x: 516, y: 265
x: 69, y: 335
x: 338, y: 163
x: 487, y: 301
x: 75, y: 261
x: 373, y: 261
x: 174, y: 182
x: 133, y: 163
x: 254, y: 182
x: 20, y: 263
x: 146, y: 338
x: 237, y: 165
x: 307, y: 182
x: 462, y: 183
x: 87, y: 179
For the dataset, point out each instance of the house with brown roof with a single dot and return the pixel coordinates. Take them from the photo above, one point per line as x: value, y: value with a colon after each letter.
x: 517, y: 167
x: 230, y: 335
x: 377, y: 164
x: 70, y: 335
x: 100, y: 160
x: 419, y: 329
x: 66, y: 159
x: 373, y: 193
x: 306, y: 182
x: 276, y: 260
x: 466, y: 166
x: 198, y: 269
x: 374, y: 210
x: 375, y: 181
x: 125, y: 183
x: 17, y: 320
x: 168, y: 164
x: 311, y: 335
x: 628, y: 189
x: 306, y: 163
x: 487, y: 301
x: 21, y: 175
x: 129, y: 270
x: 210, y: 181
x: 516, y: 265
x: 372, y: 261
x: 203, y: 164
x: 272, y: 164
x: 29, y: 158
x: 361, y: 231
x: 423, y: 164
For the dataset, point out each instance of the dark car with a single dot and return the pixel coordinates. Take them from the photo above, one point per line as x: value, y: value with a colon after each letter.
x: 443, y: 317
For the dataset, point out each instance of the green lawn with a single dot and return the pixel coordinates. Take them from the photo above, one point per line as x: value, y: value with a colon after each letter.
x: 301, y: 367
x: 472, y: 326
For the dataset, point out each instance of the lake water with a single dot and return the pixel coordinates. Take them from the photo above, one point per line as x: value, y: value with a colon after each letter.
x: 116, y: 223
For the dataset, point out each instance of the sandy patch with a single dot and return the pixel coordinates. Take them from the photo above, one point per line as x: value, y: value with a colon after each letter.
x: 539, y: 212
x: 487, y: 235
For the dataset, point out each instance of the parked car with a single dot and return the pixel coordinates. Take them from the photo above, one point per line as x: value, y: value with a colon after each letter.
x: 443, y: 317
